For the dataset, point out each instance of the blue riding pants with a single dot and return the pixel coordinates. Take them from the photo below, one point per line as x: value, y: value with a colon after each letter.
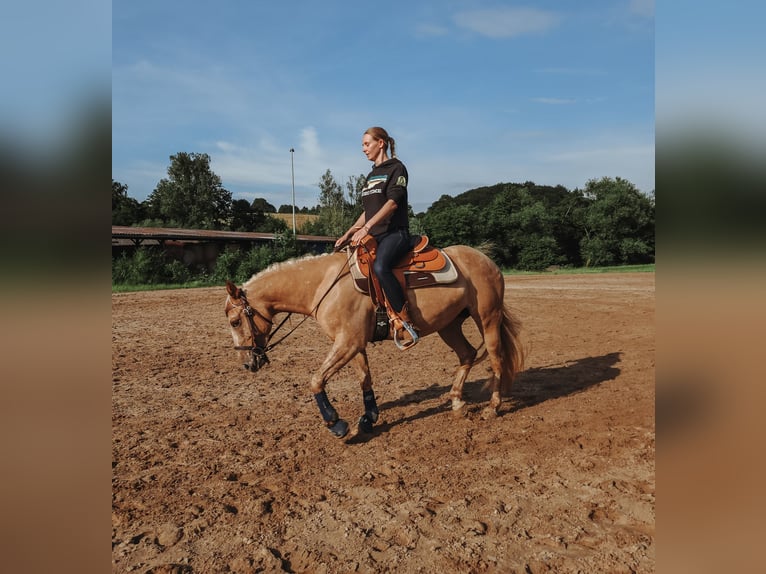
x: 392, y: 246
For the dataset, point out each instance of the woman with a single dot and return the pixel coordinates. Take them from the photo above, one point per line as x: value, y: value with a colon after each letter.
x: 384, y: 199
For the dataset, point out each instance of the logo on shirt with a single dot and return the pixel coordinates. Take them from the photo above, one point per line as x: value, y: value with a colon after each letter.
x: 402, y: 181
x: 374, y: 185
x: 376, y: 181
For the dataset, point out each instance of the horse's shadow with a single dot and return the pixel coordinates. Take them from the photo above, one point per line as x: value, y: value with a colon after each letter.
x: 531, y: 387
x: 535, y: 386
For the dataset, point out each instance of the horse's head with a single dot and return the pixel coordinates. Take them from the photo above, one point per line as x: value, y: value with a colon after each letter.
x: 249, y: 328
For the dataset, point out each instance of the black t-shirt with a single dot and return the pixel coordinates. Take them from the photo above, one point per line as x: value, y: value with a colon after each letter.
x: 386, y: 181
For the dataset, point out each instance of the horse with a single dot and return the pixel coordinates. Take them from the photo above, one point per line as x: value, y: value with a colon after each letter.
x: 320, y: 286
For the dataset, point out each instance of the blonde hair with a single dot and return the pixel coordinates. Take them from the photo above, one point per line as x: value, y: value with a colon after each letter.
x: 380, y: 134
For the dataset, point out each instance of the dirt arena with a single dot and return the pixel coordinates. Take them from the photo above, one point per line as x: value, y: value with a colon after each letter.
x: 219, y: 470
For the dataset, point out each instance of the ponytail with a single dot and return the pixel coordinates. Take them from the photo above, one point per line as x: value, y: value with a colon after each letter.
x: 380, y: 134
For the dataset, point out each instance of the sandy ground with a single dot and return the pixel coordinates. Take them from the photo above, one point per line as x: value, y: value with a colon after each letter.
x: 219, y: 470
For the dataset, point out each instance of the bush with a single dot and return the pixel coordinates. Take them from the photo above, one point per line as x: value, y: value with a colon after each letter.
x: 145, y: 266
x: 540, y: 254
x: 149, y: 265
x: 596, y: 252
x: 227, y: 265
x: 635, y: 251
x: 177, y: 272
x: 255, y: 260
x: 239, y: 266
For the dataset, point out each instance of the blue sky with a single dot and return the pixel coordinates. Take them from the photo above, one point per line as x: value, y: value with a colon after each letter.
x: 475, y: 93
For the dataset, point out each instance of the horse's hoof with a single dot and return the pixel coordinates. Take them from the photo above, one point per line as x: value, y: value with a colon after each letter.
x: 339, y: 429
x: 489, y: 413
x: 366, y: 421
x: 457, y: 404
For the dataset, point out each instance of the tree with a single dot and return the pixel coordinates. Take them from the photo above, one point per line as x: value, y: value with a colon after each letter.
x: 243, y: 218
x: 273, y: 225
x: 125, y: 210
x: 457, y: 225
x: 354, y: 188
x: 260, y: 204
x: 264, y: 223
x: 617, y: 223
x: 288, y: 208
x: 416, y: 222
x: 568, y: 229
x: 252, y: 217
x: 335, y: 215
x: 535, y: 224
x: 506, y: 238
x: 192, y: 196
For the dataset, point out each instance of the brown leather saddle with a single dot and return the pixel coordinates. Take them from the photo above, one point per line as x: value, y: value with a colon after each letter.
x: 423, y: 266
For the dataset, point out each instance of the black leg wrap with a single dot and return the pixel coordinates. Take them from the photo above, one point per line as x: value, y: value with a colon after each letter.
x: 365, y: 424
x: 370, y: 416
x: 329, y: 414
x: 370, y: 405
x: 339, y: 429
x: 336, y: 425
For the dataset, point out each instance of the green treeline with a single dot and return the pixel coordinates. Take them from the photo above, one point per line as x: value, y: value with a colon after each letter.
x: 520, y: 225
x: 531, y: 227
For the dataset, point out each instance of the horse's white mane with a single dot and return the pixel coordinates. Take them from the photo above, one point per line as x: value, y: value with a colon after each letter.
x: 281, y: 265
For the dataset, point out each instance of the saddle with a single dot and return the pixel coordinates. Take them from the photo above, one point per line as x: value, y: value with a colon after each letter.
x: 423, y: 266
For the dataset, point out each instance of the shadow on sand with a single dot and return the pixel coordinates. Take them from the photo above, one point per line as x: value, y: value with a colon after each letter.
x: 532, y: 387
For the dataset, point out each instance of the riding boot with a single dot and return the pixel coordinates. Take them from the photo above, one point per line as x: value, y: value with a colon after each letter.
x: 405, y: 335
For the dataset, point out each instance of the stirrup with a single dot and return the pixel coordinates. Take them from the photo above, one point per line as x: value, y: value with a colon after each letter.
x: 403, y: 346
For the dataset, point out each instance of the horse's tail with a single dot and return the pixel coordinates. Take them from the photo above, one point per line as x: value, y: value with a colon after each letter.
x: 513, y: 354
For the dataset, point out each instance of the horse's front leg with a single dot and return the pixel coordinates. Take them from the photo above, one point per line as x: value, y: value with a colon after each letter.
x: 371, y: 413
x: 339, y: 355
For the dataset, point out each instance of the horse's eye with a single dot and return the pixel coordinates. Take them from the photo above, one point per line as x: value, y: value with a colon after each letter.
x: 236, y: 323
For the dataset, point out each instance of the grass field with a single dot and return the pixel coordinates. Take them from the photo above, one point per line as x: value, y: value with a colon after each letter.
x: 300, y: 219
x: 648, y: 268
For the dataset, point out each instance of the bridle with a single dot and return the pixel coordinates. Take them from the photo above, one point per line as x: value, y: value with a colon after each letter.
x: 258, y: 352
x: 259, y: 357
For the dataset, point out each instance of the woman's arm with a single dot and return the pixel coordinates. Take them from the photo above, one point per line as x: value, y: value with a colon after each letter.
x: 358, y: 224
x: 381, y: 215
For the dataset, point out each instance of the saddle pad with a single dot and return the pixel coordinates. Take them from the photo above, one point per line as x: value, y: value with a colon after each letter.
x: 413, y: 276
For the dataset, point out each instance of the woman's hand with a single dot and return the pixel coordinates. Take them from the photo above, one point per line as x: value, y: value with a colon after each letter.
x: 359, y: 235
x: 341, y: 240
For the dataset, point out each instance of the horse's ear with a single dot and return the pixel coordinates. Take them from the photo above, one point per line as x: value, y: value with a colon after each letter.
x: 232, y: 289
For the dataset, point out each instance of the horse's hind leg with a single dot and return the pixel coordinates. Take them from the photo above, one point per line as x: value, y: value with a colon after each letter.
x: 452, y: 334
x: 371, y: 412
x: 494, y: 344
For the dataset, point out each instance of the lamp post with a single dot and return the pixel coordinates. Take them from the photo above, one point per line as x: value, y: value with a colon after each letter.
x: 292, y: 170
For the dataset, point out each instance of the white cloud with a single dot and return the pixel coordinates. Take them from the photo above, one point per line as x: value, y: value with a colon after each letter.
x: 310, y: 143
x: 264, y: 169
x: 507, y: 22
x: 261, y: 165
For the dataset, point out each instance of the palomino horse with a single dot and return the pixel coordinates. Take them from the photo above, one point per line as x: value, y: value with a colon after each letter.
x: 321, y: 287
